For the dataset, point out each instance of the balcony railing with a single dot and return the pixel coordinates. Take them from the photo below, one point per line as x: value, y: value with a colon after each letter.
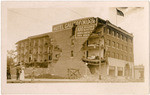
x: 94, y: 35
x: 93, y: 61
x: 91, y: 46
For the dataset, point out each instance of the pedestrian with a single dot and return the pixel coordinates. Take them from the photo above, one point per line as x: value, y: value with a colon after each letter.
x: 32, y: 75
x: 21, y: 71
x: 18, y: 71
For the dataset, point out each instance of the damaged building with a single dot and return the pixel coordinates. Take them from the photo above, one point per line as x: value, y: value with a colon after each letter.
x: 87, y: 46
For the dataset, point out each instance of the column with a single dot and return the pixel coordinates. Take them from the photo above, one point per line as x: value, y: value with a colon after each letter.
x: 107, y: 69
x: 123, y: 71
x: 116, y: 71
x: 133, y: 71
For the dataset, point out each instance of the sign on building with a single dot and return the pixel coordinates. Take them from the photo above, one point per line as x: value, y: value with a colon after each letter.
x: 84, y: 26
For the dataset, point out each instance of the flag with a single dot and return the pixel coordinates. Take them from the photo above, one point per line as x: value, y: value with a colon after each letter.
x: 119, y: 12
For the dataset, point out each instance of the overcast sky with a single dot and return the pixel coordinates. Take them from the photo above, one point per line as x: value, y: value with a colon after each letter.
x: 25, y: 22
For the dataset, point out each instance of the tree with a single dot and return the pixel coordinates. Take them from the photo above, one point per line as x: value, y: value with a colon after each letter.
x: 11, y: 55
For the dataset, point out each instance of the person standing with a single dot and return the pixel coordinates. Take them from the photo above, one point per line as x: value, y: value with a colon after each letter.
x: 18, y: 71
x: 22, y: 72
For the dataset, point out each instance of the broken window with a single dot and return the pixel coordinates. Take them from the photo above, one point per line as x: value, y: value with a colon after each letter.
x: 71, y: 53
x: 73, y: 29
x: 72, y: 41
x: 113, y: 44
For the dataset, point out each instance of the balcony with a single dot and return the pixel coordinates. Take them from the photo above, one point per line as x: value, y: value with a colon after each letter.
x: 93, y: 60
x: 46, y: 44
x: 35, y: 45
x: 91, y: 46
x: 94, y: 35
x: 45, y: 52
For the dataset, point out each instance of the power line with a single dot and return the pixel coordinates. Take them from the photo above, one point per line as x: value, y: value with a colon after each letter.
x: 34, y: 19
x: 76, y: 12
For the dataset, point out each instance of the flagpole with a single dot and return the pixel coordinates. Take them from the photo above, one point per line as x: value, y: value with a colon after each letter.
x: 116, y: 16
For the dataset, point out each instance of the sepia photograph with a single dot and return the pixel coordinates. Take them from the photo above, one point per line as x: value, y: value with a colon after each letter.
x: 75, y: 42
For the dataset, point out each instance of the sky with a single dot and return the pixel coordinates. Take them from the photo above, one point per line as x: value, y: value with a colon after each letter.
x: 25, y: 22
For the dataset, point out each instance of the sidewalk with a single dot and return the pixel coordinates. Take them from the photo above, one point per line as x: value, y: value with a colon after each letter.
x: 44, y: 80
x: 84, y: 80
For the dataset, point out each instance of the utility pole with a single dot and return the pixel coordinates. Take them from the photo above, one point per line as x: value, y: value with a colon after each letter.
x: 101, y: 42
x: 99, y: 74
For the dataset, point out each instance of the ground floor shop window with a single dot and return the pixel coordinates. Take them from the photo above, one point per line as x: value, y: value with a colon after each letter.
x: 120, y: 73
x: 112, y: 70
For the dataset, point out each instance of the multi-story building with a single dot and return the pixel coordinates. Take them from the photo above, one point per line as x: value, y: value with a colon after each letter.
x: 81, y: 47
x: 139, y: 72
x: 35, y: 48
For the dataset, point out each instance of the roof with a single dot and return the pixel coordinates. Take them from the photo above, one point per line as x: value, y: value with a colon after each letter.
x: 107, y: 22
x: 139, y: 66
x: 40, y: 35
x: 98, y: 20
x: 35, y: 36
x: 119, y: 29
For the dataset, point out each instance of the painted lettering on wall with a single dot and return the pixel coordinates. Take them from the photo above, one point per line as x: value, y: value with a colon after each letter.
x: 69, y: 25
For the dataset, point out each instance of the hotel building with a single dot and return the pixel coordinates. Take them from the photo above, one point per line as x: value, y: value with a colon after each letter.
x: 87, y: 46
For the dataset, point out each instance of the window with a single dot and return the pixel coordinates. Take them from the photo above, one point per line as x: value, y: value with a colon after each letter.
x: 108, y: 53
x: 120, y: 71
x: 121, y: 56
x: 57, y: 55
x: 125, y: 38
x: 72, y: 41
x: 108, y: 31
x: 87, y: 54
x: 113, y: 44
x: 29, y: 59
x: 117, y: 45
x: 50, y: 57
x: 120, y: 36
x: 30, y: 51
x: 108, y: 42
x: 130, y: 49
x: 125, y: 48
x: 125, y: 57
x: 122, y: 47
x: 71, y: 53
x: 113, y: 54
x: 73, y: 29
x: 130, y: 58
x: 87, y: 42
x: 117, y: 55
x: 131, y: 41
x: 116, y: 34
x: 113, y: 33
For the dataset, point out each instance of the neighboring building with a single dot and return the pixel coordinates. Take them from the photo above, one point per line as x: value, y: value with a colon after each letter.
x: 139, y: 72
x: 73, y: 47
x: 35, y: 48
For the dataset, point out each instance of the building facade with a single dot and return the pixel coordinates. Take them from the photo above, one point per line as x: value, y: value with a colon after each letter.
x: 87, y: 46
x: 139, y: 72
x: 36, y: 48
